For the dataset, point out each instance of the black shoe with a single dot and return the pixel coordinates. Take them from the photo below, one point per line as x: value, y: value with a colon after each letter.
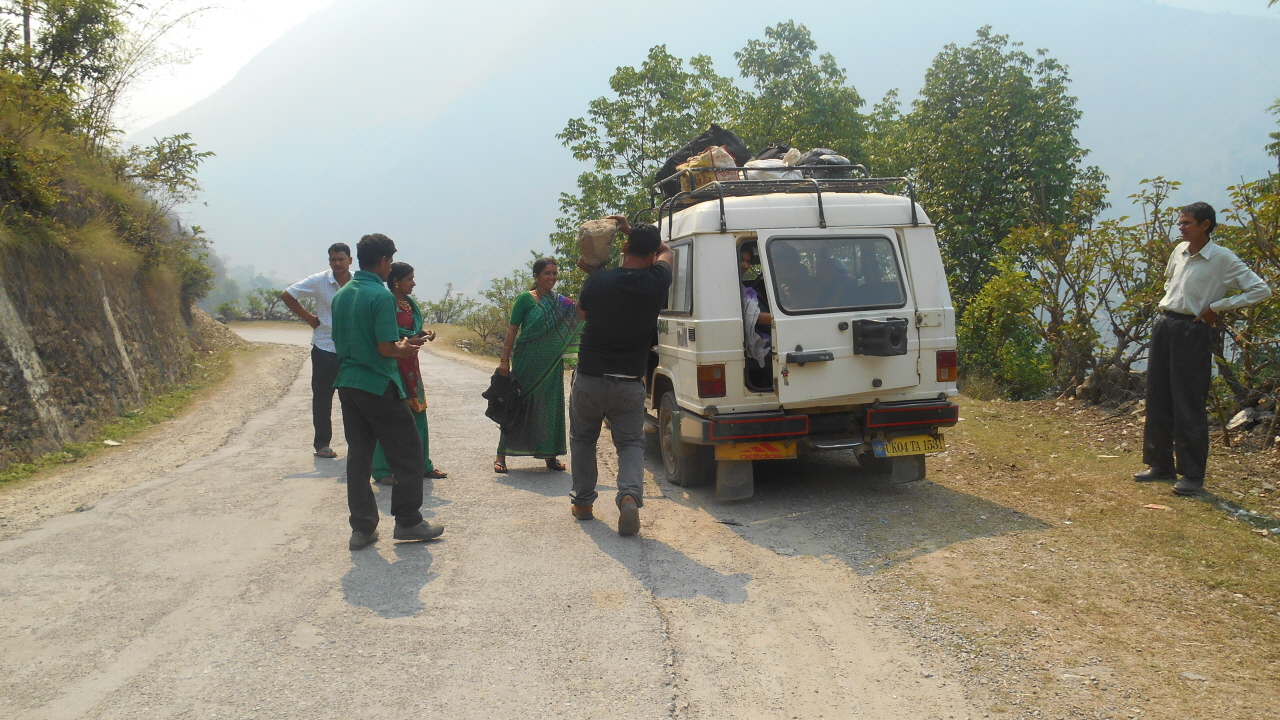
x: 1152, y: 474
x: 422, y: 531
x: 359, y: 540
x: 1188, y: 487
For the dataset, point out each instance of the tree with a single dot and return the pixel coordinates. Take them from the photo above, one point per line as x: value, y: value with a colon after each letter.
x: 655, y: 109
x: 449, y: 309
x: 991, y: 146
x: 798, y: 101
x: 1273, y: 147
x: 166, y: 169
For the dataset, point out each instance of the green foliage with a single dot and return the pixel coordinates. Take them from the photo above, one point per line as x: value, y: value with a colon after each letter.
x: 800, y: 97
x: 1250, y: 365
x: 229, y: 310
x: 991, y: 145
x: 58, y: 170
x: 998, y: 338
x: 1273, y: 147
x: 798, y: 101
x: 166, y: 169
x: 449, y: 309
x: 656, y: 108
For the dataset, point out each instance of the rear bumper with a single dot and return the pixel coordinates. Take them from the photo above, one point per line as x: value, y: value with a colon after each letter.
x: 881, y: 420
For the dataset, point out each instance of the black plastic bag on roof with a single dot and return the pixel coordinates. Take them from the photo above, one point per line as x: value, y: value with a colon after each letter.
x: 826, y: 157
x: 715, y: 135
x: 775, y: 151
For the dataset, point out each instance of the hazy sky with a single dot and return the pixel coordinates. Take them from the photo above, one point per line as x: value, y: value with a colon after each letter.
x: 227, y: 36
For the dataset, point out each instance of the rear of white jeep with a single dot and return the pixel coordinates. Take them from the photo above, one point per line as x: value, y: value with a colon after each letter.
x: 862, y: 340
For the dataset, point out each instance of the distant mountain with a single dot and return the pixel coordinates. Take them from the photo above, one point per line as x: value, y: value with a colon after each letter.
x: 435, y: 122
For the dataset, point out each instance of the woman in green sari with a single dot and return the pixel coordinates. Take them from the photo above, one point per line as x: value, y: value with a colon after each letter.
x: 409, y: 319
x: 547, y: 325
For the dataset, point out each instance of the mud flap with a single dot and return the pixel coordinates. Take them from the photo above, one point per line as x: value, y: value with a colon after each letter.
x: 908, y: 468
x: 735, y: 480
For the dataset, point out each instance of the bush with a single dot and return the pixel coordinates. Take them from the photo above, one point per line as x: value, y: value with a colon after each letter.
x: 998, y: 342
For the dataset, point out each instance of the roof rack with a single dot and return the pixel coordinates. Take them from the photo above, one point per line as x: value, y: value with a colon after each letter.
x: 720, y: 189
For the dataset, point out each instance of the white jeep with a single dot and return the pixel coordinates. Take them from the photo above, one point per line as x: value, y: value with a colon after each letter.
x: 857, y: 348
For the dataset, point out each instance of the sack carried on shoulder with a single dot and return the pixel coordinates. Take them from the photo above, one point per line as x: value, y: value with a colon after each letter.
x: 595, y: 241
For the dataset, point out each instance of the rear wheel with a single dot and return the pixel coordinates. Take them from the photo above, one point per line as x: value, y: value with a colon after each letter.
x: 683, y: 464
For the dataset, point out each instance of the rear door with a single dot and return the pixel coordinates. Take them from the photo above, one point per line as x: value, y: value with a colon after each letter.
x: 828, y: 288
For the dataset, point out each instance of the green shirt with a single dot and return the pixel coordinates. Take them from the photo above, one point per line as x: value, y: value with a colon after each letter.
x: 364, y: 314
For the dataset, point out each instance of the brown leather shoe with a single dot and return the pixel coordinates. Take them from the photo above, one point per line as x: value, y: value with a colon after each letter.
x: 581, y: 512
x: 628, y: 516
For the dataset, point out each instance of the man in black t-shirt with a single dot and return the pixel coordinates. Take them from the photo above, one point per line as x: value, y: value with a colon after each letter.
x: 620, y: 306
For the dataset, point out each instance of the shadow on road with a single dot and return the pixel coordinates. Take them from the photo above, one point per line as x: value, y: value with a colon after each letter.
x: 825, y: 506
x: 665, y: 571
x: 323, y: 468
x: 390, y: 589
x: 548, y: 483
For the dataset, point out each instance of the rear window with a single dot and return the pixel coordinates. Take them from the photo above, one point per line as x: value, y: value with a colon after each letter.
x: 828, y: 274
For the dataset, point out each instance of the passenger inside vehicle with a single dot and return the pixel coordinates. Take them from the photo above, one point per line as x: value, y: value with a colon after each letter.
x: 794, y: 279
x: 834, y: 285
x: 757, y: 319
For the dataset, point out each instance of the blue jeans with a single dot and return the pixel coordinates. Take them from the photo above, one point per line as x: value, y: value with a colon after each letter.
x: 621, y: 401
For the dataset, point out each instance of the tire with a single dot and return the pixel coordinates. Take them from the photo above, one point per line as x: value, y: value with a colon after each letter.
x: 683, y: 465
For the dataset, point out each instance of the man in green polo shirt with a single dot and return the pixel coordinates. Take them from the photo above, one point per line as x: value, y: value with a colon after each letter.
x: 373, y: 398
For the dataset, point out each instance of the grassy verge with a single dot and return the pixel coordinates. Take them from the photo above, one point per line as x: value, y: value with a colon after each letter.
x: 1130, y: 602
x: 211, y: 370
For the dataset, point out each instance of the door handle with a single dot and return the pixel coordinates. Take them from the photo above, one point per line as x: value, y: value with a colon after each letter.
x: 800, y: 358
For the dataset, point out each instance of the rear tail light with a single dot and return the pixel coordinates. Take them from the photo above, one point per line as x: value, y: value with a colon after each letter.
x: 948, y: 366
x: 710, y: 381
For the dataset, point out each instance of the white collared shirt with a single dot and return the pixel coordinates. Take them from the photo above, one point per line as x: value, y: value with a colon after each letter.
x: 1199, y: 281
x: 320, y: 287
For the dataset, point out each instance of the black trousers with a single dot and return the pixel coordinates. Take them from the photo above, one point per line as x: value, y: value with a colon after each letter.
x: 324, y: 370
x: 1179, y: 371
x: 368, y: 419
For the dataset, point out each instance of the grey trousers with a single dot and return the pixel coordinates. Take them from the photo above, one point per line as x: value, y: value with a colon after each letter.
x: 591, y: 401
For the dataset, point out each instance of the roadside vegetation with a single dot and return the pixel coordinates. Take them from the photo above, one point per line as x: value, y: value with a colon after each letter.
x: 63, y: 169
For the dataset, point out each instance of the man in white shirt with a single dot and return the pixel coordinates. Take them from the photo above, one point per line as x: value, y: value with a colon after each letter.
x: 321, y: 287
x: 1179, y: 368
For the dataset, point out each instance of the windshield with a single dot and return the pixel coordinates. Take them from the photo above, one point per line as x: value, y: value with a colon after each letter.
x: 835, y: 273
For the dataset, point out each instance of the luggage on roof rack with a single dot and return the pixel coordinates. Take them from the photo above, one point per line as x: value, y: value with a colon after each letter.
x: 715, y: 135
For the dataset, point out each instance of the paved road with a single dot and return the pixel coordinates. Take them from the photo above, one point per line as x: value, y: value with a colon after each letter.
x: 223, y: 588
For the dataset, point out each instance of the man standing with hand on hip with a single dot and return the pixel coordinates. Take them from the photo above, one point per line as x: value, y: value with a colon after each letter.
x: 373, y: 398
x: 1179, y: 369
x: 620, y: 306
x: 321, y: 287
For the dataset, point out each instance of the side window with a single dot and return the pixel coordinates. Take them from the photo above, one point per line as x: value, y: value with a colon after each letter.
x: 680, y: 299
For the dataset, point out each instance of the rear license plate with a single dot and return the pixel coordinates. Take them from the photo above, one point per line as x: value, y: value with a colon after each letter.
x: 910, y: 445
x: 761, y: 450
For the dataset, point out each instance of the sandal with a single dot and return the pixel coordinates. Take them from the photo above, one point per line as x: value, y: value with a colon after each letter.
x: 499, y: 466
x: 436, y: 474
x: 554, y: 464
x: 326, y: 452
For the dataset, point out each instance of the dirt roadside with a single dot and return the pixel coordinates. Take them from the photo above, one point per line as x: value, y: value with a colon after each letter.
x: 260, y: 376
x: 1125, y: 602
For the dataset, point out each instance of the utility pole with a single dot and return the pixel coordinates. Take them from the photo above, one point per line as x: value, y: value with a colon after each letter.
x: 26, y: 23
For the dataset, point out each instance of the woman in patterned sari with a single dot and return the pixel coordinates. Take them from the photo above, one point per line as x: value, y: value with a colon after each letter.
x: 409, y: 319
x: 548, y: 326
